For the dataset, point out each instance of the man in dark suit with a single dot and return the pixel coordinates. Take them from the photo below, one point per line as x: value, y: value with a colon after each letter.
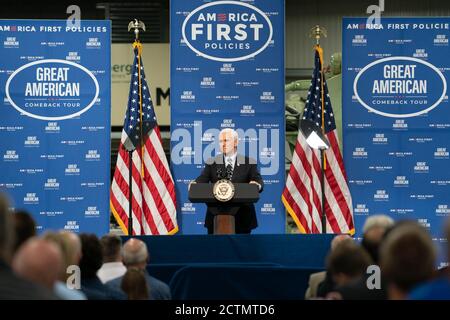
x: 238, y: 169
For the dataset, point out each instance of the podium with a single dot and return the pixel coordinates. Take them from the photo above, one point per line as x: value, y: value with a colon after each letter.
x: 223, y: 210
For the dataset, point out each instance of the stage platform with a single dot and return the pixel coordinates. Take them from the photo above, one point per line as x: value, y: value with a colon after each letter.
x: 236, y: 266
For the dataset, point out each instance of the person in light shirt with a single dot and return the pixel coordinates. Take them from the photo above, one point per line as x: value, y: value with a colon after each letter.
x: 113, y: 266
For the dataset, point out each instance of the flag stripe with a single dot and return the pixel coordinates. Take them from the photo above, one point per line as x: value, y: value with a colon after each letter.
x: 159, y: 193
x: 161, y: 169
x: 153, y: 210
x: 298, y: 189
x: 297, y: 212
x: 309, y: 179
x: 302, y: 205
x: 121, y: 194
x: 334, y: 143
x: 313, y: 183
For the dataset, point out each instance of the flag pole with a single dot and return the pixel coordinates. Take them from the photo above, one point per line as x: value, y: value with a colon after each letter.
x: 317, y: 32
x: 133, y: 25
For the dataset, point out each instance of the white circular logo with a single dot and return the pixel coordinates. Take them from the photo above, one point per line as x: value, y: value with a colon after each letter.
x: 227, y: 31
x: 18, y: 97
x: 223, y: 190
x: 430, y: 99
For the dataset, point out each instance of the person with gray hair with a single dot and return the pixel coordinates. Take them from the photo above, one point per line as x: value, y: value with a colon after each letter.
x: 315, y: 279
x: 61, y: 288
x: 238, y: 169
x: 374, y: 230
x: 135, y: 255
x: 13, y: 287
x: 74, y: 251
x: 377, y: 221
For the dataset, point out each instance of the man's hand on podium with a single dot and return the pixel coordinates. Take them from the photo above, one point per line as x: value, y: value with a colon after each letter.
x: 191, y: 183
x: 254, y: 182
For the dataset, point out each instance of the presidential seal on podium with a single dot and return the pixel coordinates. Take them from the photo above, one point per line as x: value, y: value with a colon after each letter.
x: 223, y: 190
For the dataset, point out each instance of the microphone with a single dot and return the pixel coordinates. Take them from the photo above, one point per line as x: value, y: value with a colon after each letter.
x: 220, y: 173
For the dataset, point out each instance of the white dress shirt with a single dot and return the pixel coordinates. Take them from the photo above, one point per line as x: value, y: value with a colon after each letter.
x: 231, y: 159
x: 110, y: 271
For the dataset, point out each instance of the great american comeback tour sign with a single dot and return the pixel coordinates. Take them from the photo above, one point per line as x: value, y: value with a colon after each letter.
x: 55, y: 123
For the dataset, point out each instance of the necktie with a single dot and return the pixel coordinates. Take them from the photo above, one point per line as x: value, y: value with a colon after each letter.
x: 229, y: 168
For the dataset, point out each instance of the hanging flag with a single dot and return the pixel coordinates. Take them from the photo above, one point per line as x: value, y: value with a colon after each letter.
x: 153, y: 201
x: 302, y: 195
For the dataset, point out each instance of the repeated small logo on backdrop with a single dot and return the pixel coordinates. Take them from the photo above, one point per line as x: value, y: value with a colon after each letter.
x: 379, y: 138
x: 92, y: 212
x: 93, y: 43
x: 51, y: 184
x: 72, y: 226
x: 11, y: 155
x: 401, y: 181
x: 267, y: 97
x: 187, y: 96
x: 72, y: 170
x: 207, y: 82
x: 73, y: 56
x: 227, y: 68
x: 32, y: 141
x: 421, y: 167
x: 92, y: 155
x: 359, y: 40
x: 11, y: 42
x: 188, y: 208
x: 381, y: 195
x: 268, y: 209
x: 400, y: 124
x: 442, y: 209
x: 247, y: 110
x: 420, y: 54
x: 31, y: 198
x: 52, y: 127
x: 361, y: 209
x: 441, y: 153
x: 440, y: 40
x: 359, y: 153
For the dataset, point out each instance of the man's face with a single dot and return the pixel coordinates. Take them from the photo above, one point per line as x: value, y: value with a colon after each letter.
x: 227, y: 144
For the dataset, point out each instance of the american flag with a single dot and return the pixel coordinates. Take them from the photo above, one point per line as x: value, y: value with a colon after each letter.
x: 153, y: 189
x: 302, y: 195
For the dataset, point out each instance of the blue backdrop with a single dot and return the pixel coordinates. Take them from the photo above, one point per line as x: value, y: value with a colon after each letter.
x: 396, y: 119
x: 227, y: 70
x: 55, y: 124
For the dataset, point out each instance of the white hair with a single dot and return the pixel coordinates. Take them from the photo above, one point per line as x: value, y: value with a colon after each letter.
x: 233, y: 133
x: 131, y: 257
x: 378, y: 221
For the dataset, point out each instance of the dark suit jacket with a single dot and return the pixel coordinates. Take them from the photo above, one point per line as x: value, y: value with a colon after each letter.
x: 245, y: 170
x: 94, y: 289
x: 158, y: 290
x: 14, y: 288
x: 358, y: 290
